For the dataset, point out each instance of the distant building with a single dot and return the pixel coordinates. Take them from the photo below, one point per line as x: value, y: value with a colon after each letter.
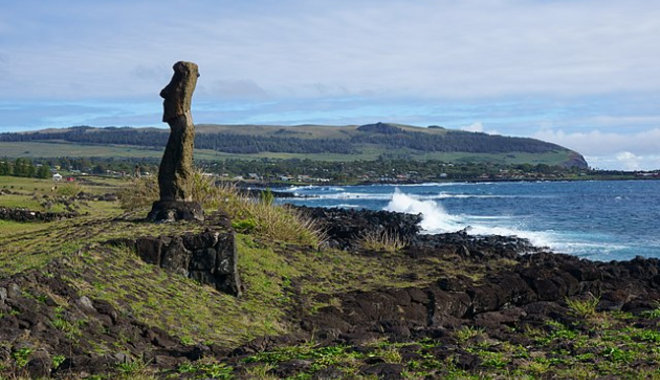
x: 57, y: 177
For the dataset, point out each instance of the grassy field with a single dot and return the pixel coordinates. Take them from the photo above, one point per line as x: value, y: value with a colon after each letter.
x: 47, y: 195
x: 63, y: 149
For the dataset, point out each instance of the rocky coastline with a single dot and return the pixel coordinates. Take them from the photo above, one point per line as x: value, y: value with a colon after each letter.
x: 498, y: 289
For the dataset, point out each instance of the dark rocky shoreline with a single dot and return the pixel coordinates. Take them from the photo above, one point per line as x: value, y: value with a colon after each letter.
x: 522, y: 288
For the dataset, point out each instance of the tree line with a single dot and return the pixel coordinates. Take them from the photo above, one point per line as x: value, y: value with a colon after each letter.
x: 23, y: 167
x: 395, y: 138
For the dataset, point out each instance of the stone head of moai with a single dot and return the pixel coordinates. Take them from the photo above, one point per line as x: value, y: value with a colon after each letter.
x: 177, y: 94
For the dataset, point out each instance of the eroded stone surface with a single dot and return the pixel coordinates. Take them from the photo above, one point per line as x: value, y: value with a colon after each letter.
x: 176, y: 167
x: 209, y: 257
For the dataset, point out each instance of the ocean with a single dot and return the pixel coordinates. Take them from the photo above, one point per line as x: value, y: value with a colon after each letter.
x: 599, y: 220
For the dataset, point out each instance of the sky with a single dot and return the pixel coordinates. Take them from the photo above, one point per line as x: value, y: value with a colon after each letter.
x: 582, y: 74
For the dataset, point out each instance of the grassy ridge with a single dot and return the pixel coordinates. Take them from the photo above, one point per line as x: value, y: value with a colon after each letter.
x: 315, y: 142
x: 64, y: 149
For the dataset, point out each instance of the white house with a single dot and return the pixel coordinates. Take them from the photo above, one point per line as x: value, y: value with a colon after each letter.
x: 57, y: 177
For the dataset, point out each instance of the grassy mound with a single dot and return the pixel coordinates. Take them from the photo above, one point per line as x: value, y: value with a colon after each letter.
x: 260, y: 217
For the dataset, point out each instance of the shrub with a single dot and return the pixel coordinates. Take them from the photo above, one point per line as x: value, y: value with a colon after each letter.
x: 383, y: 241
x: 140, y: 193
x: 466, y: 333
x: 204, y: 190
x: 267, y: 197
x: 68, y: 190
x: 583, y: 308
x: 244, y: 225
x: 652, y: 314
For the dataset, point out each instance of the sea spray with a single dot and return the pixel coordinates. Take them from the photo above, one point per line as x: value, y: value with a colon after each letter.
x: 583, y: 218
x: 435, y: 219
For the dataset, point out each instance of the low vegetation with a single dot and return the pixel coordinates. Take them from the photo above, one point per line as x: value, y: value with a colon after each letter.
x: 381, y: 241
x: 583, y: 308
x: 257, y: 216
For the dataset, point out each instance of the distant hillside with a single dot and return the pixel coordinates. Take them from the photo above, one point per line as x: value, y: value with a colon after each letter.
x: 372, y: 140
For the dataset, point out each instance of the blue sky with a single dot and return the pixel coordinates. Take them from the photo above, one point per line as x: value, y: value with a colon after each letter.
x: 584, y: 74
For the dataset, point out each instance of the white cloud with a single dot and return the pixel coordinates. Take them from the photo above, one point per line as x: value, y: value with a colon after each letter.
x: 598, y: 143
x: 478, y: 127
x: 498, y: 57
x: 293, y: 48
x: 629, y: 160
x: 474, y: 127
x: 625, y: 161
x: 633, y: 151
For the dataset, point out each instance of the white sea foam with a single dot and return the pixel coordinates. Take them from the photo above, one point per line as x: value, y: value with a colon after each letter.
x: 349, y: 195
x: 347, y: 205
x: 434, y: 216
x: 438, y: 184
x: 388, y: 196
x: 435, y: 219
x: 444, y: 195
x: 486, y: 217
x: 296, y: 189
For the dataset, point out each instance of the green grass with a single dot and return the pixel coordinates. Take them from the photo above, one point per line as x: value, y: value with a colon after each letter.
x: 35, y: 194
x: 466, y: 333
x: 260, y: 217
x: 26, y: 184
x: 161, y: 299
x: 367, y: 152
x: 11, y: 227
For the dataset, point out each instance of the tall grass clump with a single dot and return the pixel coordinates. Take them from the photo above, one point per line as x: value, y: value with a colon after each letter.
x: 254, y: 216
x: 382, y: 241
x: 139, y: 193
x: 264, y: 218
x: 583, y: 308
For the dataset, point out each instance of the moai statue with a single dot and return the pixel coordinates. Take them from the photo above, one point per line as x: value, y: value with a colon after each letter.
x: 176, y: 170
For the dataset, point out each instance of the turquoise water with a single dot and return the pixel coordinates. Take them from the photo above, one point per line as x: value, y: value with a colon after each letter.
x: 601, y: 220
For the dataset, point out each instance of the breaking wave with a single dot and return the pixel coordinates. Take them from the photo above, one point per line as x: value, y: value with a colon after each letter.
x: 435, y: 219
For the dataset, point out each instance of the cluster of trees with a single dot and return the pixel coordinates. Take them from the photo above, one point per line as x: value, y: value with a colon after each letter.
x: 40, y: 167
x: 356, y: 171
x: 390, y: 137
x: 22, y: 167
x: 232, y: 143
x: 456, y: 141
x: 90, y: 135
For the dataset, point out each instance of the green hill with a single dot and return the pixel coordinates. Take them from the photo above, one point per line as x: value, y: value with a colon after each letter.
x: 317, y: 142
